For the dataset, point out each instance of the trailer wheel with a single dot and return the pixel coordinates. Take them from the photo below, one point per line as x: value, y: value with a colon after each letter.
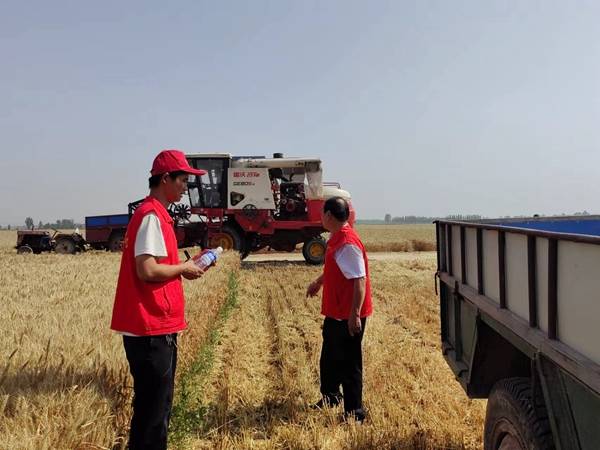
x: 514, y: 419
x: 227, y: 239
x: 24, y: 250
x: 115, y: 241
x: 313, y: 250
x: 65, y: 246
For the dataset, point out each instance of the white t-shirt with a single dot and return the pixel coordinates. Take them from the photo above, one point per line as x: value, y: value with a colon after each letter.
x: 349, y: 259
x: 149, y: 239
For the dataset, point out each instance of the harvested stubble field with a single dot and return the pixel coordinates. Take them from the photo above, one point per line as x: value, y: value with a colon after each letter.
x: 62, y: 372
x: 265, y: 373
x: 398, y: 238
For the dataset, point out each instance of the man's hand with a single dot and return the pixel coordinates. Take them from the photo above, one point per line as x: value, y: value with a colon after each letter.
x: 354, y: 325
x: 191, y: 271
x: 313, y: 288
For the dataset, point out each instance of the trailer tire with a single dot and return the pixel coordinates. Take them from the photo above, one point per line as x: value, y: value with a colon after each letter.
x: 515, y: 420
x: 115, y: 241
x: 65, y: 246
x: 313, y: 250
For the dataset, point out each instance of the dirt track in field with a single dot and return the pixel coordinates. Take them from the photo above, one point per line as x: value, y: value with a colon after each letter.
x: 373, y: 256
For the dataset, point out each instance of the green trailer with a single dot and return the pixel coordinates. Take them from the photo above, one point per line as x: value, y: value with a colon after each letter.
x: 520, y: 326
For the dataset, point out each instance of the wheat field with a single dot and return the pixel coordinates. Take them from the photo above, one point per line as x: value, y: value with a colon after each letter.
x: 64, y: 382
x: 397, y: 238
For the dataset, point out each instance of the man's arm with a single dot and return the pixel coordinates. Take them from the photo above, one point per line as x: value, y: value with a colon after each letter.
x: 313, y: 288
x: 358, y: 298
x: 148, y: 269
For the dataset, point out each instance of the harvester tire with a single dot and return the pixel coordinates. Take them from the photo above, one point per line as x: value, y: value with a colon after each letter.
x: 313, y: 251
x: 24, y: 250
x: 245, y: 252
x: 65, y: 246
x: 228, y: 238
x: 115, y: 241
x: 515, y: 420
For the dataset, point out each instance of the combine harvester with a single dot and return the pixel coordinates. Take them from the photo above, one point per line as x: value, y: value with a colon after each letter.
x: 519, y: 309
x: 242, y: 203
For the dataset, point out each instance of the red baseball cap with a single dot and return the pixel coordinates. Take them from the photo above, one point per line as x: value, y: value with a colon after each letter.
x: 173, y: 161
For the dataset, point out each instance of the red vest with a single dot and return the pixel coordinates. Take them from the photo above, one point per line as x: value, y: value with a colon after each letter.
x: 338, y: 291
x: 148, y: 308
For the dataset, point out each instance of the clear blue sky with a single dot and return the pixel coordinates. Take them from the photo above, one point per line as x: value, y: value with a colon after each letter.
x: 423, y: 107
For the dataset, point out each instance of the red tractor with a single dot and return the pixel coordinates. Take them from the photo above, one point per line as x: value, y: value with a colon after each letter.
x: 250, y: 203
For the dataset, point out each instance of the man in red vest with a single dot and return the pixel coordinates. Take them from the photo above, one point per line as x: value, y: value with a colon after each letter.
x: 149, y: 304
x: 346, y: 304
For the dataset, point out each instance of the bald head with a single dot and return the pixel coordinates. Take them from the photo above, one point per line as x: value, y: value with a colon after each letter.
x: 338, y: 207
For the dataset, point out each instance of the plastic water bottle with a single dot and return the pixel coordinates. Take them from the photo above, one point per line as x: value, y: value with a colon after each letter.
x: 208, y: 257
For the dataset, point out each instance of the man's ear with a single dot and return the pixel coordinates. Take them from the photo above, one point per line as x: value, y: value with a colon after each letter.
x: 164, y: 177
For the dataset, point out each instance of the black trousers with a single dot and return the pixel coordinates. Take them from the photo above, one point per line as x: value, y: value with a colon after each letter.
x: 341, y: 364
x: 152, y: 363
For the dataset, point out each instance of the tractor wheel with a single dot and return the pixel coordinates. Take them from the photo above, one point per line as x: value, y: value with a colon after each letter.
x: 65, y: 246
x: 228, y: 239
x: 515, y: 420
x: 115, y: 241
x: 313, y: 250
x: 24, y: 250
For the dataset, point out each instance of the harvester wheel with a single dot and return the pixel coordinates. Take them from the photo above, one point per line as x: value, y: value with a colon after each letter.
x: 115, y: 241
x: 228, y: 239
x: 65, y: 246
x: 245, y: 251
x: 24, y: 250
x: 313, y: 250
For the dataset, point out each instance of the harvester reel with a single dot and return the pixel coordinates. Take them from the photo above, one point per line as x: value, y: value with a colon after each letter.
x: 180, y: 212
x: 250, y: 211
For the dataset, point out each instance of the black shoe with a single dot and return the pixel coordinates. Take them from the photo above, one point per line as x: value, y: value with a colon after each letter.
x: 327, y: 402
x: 358, y: 415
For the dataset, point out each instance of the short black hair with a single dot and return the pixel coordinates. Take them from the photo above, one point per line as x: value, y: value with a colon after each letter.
x: 338, y: 207
x: 154, y: 180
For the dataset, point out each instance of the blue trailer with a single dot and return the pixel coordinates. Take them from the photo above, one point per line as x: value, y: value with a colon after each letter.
x: 520, y: 309
x: 106, y: 232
